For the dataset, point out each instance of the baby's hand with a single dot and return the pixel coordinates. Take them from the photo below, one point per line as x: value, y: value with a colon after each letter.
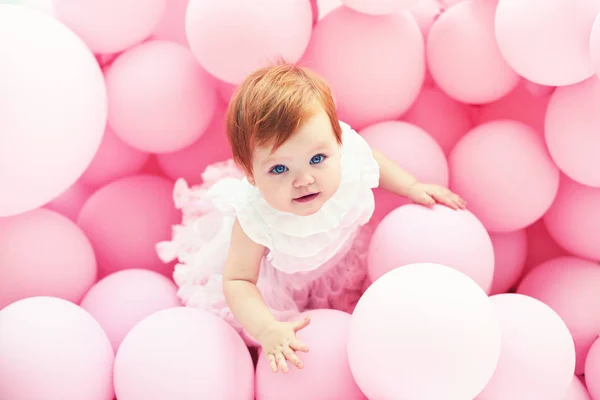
x: 279, y: 343
x: 429, y: 194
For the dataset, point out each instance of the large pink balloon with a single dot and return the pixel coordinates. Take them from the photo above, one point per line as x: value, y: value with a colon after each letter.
x: 185, y: 354
x: 121, y: 300
x: 115, y: 159
x: 172, y: 23
x: 510, y: 251
x: 592, y: 370
x: 411, y: 147
x: 51, y: 348
x: 444, y: 118
x: 414, y: 233
x: 379, y: 7
x: 577, y: 390
x: 160, y: 99
x: 463, y: 57
x: 53, y: 103
x: 70, y: 202
x: 547, y: 41
x: 43, y: 253
x: 540, y: 245
x: 110, y: 26
x: 437, y: 328
x: 231, y: 38
x: 126, y: 218
x: 327, y: 338
x: 503, y: 170
x: 570, y: 286
x: 573, y: 130
x: 595, y: 45
x: 537, y: 360
x: 345, y: 48
x: 573, y: 221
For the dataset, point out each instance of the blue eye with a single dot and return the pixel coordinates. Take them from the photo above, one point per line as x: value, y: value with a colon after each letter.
x: 319, y: 158
x: 278, y: 169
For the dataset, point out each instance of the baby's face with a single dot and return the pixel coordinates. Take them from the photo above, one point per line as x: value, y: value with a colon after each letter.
x: 304, y: 172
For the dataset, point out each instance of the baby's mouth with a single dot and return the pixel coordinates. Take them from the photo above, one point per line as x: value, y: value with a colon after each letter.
x: 306, y: 198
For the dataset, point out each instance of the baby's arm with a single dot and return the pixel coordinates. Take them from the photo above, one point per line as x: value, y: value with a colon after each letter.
x: 239, y: 283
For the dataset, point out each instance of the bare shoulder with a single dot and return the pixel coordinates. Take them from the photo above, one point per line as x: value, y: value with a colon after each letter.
x: 244, y: 256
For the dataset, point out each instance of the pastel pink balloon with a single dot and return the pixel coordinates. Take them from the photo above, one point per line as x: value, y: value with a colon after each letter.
x: 510, y: 251
x: 70, y: 202
x: 224, y: 38
x: 411, y: 147
x: 414, y: 234
x: 126, y: 218
x: 592, y: 370
x: 51, y: 348
x: 519, y: 105
x: 444, y: 118
x: 379, y: 7
x: 210, y: 148
x: 53, y: 103
x: 537, y: 360
x: 573, y: 221
x: 463, y: 57
x: 185, y: 354
x: 327, y: 338
x: 547, y: 41
x: 124, y: 298
x: 504, y: 172
x: 573, y: 130
x: 43, y: 253
x: 577, y: 390
x: 540, y: 245
x: 595, y: 45
x: 115, y: 159
x: 345, y: 47
x: 109, y: 26
x: 438, y: 331
x: 172, y: 23
x: 570, y: 286
x: 160, y: 99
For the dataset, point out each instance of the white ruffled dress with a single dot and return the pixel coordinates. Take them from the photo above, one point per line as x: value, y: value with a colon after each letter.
x: 315, y: 261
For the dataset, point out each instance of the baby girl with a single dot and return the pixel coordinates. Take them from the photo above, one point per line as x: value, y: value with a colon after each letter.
x: 281, y: 228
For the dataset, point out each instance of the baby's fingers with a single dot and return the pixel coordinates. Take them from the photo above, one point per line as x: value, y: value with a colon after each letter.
x: 292, y: 357
x: 272, y: 362
x: 281, y: 364
x: 298, y: 346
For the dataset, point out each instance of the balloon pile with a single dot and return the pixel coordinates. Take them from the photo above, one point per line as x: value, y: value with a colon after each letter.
x: 104, y: 103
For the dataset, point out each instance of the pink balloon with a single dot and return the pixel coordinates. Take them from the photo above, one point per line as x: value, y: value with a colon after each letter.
x: 326, y: 336
x: 126, y: 218
x: 70, y: 202
x: 438, y: 331
x: 573, y: 221
x: 172, y: 23
x: 595, y: 45
x: 191, y: 162
x: 109, y: 26
x: 538, y: 90
x: 51, y: 348
x: 537, y: 360
x: 185, y: 354
x: 409, y: 146
x: 223, y: 34
x: 463, y: 57
x: 444, y: 118
x: 43, y: 253
x: 346, y: 45
x: 577, y: 391
x: 504, y: 172
x: 115, y: 159
x: 570, y: 286
x: 540, y: 245
x: 121, y: 300
x: 414, y: 233
x: 573, y: 130
x: 426, y: 12
x: 379, y: 7
x: 547, y: 41
x: 160, y: 99
x: 592, y: 370
x: 510, y: 251
x: 519, y: 105
x: 53, y: 103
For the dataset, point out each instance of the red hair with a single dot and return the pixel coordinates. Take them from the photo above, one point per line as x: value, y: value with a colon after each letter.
x: 271, y: 104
